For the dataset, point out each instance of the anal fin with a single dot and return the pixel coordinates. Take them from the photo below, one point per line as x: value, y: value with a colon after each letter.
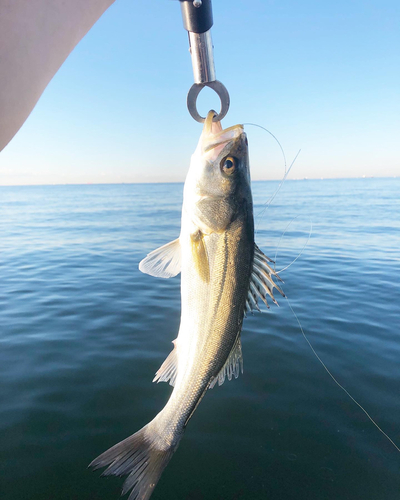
x: 233, y: 365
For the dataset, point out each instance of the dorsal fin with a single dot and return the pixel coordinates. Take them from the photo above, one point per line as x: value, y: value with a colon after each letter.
x: 261, y: 281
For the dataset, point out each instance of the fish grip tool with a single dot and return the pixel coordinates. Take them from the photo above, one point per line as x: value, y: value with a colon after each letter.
x: 197, y: 21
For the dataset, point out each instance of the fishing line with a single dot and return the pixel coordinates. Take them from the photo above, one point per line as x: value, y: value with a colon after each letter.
x: 266, y: 205
x: 338, y: 383
x: 312, y: 348
x: 287, y: 170
x: 276, y: 139
x: 302, y: 250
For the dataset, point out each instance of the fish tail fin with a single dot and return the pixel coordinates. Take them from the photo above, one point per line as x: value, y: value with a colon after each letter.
x: 143, y: 456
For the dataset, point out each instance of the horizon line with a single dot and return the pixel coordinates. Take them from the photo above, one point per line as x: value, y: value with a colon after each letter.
x: 182, y: 182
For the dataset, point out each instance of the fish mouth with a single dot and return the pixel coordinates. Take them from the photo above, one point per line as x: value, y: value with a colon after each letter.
x: 214, y: 136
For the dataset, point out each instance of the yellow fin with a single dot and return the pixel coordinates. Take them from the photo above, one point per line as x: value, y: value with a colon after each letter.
x: 200, y: 257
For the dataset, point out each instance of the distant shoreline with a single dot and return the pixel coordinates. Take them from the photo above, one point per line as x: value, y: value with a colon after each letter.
x: 181, y: 182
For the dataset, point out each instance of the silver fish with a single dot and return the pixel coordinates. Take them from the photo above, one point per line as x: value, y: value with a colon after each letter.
x: 223, y: 273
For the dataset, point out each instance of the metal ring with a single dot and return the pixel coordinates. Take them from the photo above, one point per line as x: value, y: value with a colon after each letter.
x: 195, y: 90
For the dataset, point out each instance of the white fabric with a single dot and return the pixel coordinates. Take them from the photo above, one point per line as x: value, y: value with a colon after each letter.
x: 36, y: 36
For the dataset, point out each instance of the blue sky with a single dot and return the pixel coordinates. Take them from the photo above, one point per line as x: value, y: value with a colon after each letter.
x: 323, y: 77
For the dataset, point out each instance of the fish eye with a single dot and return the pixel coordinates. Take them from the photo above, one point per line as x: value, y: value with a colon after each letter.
x: 228, y: 165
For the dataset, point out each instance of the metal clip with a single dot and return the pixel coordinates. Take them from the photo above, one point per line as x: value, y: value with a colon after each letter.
x: 197, y: 20
x: 195, y: 90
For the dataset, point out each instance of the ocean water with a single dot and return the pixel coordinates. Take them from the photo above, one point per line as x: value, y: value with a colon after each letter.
x: 82, y: 333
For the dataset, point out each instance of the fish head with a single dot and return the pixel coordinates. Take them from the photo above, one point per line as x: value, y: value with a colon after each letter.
x: 217, y: 186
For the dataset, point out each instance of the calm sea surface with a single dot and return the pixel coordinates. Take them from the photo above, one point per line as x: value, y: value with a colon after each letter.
x: 82, y: 333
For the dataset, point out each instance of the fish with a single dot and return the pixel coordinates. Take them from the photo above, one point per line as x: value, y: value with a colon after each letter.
x: 223, y: 274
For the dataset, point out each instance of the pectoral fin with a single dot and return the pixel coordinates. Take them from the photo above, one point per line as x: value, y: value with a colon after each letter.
x: 164, y: 262
x: 200, y: 257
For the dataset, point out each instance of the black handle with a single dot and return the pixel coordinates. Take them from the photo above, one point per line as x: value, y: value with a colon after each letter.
x: 197, y: 19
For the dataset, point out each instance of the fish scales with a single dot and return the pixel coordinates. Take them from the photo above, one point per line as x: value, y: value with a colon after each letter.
x: 218, y: 323
x: 215, y: 255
